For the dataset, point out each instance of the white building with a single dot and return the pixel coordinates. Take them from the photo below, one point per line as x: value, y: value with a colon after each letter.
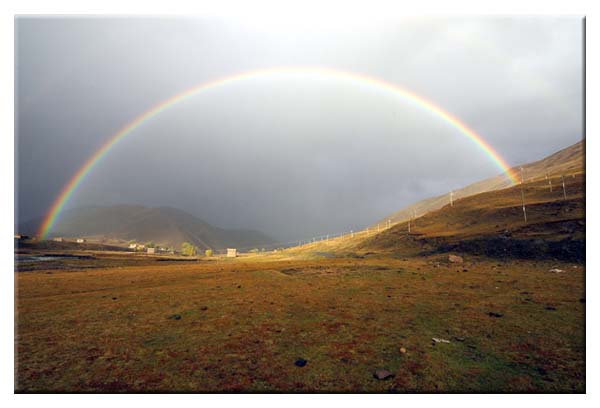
x: 231, y: 252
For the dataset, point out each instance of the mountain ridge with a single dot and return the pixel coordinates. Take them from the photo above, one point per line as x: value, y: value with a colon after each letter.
x: 167, y: 226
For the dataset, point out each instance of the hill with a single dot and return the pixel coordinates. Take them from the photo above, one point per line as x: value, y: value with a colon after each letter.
x: 564, y: 162
x: 493, y: 224
x: 488, y: 223
x: 163, y: 225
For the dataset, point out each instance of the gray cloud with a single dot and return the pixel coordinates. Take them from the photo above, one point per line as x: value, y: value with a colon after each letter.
x: 293, y: 157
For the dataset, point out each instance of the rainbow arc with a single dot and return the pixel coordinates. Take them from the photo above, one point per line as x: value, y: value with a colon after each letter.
x: 327, y: 73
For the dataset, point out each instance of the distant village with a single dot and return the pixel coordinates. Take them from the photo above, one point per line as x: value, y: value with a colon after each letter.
x: 150, y: 248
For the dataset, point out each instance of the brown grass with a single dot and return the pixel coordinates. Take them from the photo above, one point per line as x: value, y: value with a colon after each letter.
x: 244, y: 322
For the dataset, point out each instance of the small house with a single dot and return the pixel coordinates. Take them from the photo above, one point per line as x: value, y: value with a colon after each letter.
x: 151, y: 250
x: 231, y: 252
x: 80, y: 240
x: 58, y: 239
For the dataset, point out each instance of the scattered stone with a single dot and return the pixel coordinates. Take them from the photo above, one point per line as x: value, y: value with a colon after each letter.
x: 402, y: 350
x: 465, y: 270
x: 436, y: 340
x: 550, y: 308
x: 175, y: 317
x: 301, y: 362
x: 204, y: 308
x: 455, y: 259
x: 383, y: 375
x: 114, y: 298
x: 461, y: 339
x: 239, y: 286
x: 556, y: 270
x: 495, y: 314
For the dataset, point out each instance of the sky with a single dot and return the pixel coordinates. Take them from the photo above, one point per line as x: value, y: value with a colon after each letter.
x: 294, y: 156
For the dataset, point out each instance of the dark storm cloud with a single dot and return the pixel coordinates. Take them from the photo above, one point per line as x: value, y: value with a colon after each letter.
x: 292, y: 157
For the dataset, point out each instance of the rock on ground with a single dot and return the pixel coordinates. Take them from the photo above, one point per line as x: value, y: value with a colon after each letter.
x: 455, y: 259
x: 383, y: 374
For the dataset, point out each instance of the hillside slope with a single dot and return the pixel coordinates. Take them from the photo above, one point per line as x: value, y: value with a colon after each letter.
x: 164, y: 225
x: 566, y: 161
x: 489, y: 223
x: 493, y: 224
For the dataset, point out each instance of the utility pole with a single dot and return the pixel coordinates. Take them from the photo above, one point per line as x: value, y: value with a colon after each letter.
x: 564, y: 190
x: 523, y: 203
x: 523, y: 197
x: 521, y: 175
x: 550, y: 182
x: 451, y: 198
x: 409, y: 226
x: 351, y: 234
x: 389, y: 223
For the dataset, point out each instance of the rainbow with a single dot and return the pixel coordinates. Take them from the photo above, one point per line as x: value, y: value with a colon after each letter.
x: 319, y: 72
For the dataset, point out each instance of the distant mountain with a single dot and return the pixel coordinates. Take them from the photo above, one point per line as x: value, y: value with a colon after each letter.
x: 567, y: 161
x: 163, y: 225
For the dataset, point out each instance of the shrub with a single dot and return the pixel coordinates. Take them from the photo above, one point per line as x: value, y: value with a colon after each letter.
x: 188, y: 249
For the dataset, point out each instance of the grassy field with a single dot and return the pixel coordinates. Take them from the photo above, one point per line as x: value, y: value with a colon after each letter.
x: 510, y: 321
x: 241, y: 325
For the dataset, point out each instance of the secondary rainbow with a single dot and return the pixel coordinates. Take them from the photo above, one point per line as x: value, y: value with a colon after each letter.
x: 355, y: 78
